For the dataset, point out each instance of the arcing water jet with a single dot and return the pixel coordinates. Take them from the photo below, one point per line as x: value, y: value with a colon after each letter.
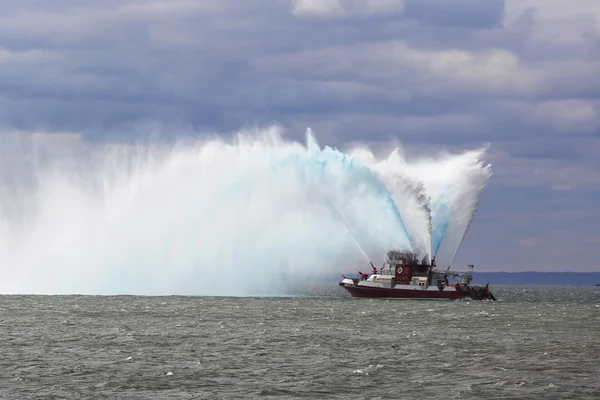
x: 244, y: 217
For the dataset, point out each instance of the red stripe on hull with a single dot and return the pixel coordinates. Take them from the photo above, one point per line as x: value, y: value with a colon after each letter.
x: 379, y: 292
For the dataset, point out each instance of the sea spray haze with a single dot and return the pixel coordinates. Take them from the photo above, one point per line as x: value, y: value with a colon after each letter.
x: 247, y: 216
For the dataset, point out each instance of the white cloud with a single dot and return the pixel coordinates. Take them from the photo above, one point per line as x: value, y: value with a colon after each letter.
x: 28, y: 56
x: 527, y: 242
x: 443, y: 123
x: 569, y: 115
x: 396, y: 64
x: 162, y: 7
x: 491, y: 71
x: 327, y: 8
x: 45, y: 136
x: 556, y: 22
x: 543, y: 173
x: 341, y: 8
x: 384, y: 6
x: 41, y: 135
x: 565, y: 116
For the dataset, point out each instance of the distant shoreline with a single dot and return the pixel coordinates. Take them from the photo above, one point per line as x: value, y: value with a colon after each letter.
x: 538, y: 278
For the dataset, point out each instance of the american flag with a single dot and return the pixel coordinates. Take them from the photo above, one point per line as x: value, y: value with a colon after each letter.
x: 470, y: 266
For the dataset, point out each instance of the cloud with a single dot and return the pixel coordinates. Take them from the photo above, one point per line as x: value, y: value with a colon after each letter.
x: 458, y: 13
x: 23, y: 57
x: 395, y: 64
x: 345, y: 8
x: 558, y: 116
x: 320, y: 8
x: 494, y: 71
x: 555, y: 22
x: 44, y: 136
x: 545, y: 171
x: 162, y: 7
x: 520, y: 75
x: 528, y: 242
x: 569, y: 115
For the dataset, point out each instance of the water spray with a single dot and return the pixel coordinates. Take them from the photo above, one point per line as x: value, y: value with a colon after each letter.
x: 466, y: 230
x: 335, y: 210
x: 211, y: 217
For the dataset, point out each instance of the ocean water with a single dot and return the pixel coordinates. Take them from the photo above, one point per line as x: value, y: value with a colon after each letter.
x: 535, y: 343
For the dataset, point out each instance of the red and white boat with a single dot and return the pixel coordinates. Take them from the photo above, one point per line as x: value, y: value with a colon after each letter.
x: 404, y: 277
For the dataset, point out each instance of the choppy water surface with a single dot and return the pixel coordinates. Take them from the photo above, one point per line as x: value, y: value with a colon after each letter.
x: 538, y: 343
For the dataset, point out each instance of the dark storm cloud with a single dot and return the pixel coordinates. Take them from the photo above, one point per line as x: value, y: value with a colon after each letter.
x: 519, y: 74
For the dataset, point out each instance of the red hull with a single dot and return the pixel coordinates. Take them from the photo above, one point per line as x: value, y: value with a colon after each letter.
x: 379, y: 292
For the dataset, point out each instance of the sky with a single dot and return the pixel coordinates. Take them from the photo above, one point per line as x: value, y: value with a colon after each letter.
x: 519, y: 75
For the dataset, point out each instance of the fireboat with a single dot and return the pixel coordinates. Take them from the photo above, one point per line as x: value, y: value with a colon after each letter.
x: 403, y: 276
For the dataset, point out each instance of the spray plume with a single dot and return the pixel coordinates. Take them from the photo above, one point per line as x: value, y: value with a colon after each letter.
x: 249, y: 216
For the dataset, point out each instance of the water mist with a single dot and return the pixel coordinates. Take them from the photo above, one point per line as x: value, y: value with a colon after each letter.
x: 250, y: 216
